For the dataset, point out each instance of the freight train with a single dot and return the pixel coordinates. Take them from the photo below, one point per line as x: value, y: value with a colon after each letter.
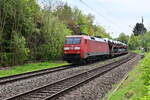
x: 82, y: 48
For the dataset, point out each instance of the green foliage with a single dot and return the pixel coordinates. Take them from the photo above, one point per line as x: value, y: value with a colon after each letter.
x: 64, y: 12
x: 26, y: 31
x: 137, y: 85
x: 31, y: 33
x: 134, y: 42
x: 78, y: 22
x: 146, y: 40
x: 20, y: 51
x: 145, y: 65
x: 139, y: 29
x: 17, y: 15
x: 123, y: 38
x: 100, y: 31
x: 17, y: 22
x: 146, y: 69
x: 54, y: 32
x: 31, y: 67
x: 82, y: 21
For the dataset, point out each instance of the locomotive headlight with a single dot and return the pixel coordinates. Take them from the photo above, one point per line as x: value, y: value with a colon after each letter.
x: 76, y: 48
x: 66, y: 48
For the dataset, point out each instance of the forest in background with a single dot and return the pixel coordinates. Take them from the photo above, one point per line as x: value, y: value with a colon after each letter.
x: 30, y: 32
x: 136, y: 42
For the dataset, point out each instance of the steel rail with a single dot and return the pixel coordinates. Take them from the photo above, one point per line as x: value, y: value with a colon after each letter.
x: 13, y: 78
x: 53, y: 90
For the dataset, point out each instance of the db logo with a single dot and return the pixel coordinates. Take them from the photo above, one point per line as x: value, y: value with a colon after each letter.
x: 71, y: 48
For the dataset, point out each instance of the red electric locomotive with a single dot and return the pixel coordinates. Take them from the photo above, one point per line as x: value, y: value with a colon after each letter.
x: 81, y: 48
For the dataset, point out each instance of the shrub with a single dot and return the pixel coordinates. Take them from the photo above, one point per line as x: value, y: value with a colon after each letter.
x: 146, y: 76
x: 53, y: 33
x: 18, y: 53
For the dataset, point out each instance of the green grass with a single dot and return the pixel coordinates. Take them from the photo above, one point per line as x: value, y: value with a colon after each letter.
x: 133, y: 88
x: 31, y: 67
x: 136, y: 51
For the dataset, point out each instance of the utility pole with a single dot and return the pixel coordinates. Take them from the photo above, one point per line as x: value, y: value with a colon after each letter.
x: 142, y: 20
x: 143, y: 25
x: 142, y: 39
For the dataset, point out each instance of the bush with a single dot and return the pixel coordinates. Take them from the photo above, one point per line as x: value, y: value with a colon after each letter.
x: 20, y: 51
x: 53, y: 33
x: 18, y: 54
x: 5, y: 59
x: 134, y: 42
x: 146, y: 76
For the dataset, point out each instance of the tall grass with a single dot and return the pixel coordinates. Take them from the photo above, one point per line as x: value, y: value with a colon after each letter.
x: 31, y: 67
x: 137, y: 86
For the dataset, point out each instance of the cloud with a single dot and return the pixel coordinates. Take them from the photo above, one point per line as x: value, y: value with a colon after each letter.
x: 129, y: 5
x: 108, y: 0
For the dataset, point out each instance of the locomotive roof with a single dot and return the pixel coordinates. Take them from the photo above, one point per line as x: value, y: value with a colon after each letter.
x: 89, y: 37
x: 78, y: 36
x: 99, y: 39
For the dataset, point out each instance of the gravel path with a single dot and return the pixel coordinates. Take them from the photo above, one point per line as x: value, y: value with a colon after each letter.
x: 97, y: 89
x: 18, y: 87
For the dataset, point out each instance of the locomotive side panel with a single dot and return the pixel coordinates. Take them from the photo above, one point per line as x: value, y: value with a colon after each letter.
x: 96, y: 48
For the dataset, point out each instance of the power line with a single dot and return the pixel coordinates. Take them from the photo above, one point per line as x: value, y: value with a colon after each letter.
x: 94, y: 10
x: 101, y: 15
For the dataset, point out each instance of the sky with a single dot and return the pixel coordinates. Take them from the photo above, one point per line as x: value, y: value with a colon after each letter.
x: 116, y: 16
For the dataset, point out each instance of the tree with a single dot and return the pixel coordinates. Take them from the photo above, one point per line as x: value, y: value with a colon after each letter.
x: 53, y: 34
x: 78, y: 22
x: 139, y: 29
x: 64, y: 12
x: 134, y: 42
x: 17, y: 22
x: 123, y: 38
x: 29, y: 32
x: 100, y: 31
x: 20, y: 51
x: 146, y: 40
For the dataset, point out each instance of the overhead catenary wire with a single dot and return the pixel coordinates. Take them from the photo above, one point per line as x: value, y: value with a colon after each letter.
x: 101, y: 15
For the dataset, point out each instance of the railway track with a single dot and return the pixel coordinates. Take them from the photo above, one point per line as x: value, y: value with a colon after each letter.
x: 53, y: 90
x: 10, y: 79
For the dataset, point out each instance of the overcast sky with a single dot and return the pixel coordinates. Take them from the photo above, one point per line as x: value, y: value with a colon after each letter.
x: 116, y: 15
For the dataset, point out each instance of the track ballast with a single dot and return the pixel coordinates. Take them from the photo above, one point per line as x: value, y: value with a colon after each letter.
x: 18, y: 77
x: 53, y: 90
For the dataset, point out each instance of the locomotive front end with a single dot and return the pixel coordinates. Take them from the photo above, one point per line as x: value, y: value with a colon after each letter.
x: 72, y: 49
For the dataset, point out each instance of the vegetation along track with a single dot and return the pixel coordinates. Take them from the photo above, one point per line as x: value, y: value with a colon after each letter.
x: 53, y: 90
x: 9, y: 79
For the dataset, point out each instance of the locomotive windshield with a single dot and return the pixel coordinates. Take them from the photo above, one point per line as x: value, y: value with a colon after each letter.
x: 73, y: 40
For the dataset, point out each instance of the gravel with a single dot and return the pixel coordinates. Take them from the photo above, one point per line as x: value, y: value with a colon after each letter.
x: 11, y: 89
x: 97, y: 88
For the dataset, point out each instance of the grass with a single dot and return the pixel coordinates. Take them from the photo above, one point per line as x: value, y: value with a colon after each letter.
x: 133, y: 88
x: 31, y: 67
x: 136, y: 51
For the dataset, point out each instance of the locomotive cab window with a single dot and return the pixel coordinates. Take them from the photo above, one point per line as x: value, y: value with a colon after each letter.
x: 73, y: 40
